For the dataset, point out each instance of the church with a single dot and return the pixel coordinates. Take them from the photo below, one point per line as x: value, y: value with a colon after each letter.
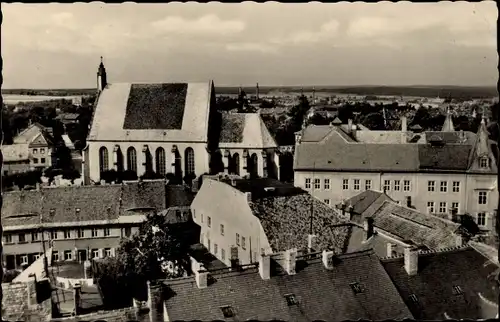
x: 173, y: 128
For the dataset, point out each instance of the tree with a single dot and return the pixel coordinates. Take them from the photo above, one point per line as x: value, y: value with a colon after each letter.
x: 345, y: 112
x: 188, y: 179
x: 267, y: 104
x: 374, y: 121
x: 71, y: 174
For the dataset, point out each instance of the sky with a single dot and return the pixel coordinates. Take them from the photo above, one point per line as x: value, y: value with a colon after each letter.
x: 59, y: 45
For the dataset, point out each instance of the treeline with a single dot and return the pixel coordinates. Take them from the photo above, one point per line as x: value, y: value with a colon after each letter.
x: 50, y: 92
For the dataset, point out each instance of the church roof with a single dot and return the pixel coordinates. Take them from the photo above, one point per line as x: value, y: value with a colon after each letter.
x: 152, y: 112
x: 245, y: 130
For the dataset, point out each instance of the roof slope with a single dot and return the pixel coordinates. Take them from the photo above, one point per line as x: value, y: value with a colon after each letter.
x: 152, y: 112
x: 31, y: 132
x: 434, y: 284
x: 245, y: 130
x: 15, y: 152
x: 321, y: 294
x: 362, y: 201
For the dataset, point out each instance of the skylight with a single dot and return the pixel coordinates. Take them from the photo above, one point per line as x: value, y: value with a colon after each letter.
x: 22, y: 216
x: 228, y: 311
x: 414, y: 298
x: 356, y: 287
x: 457, y: 290
x: 291, y: 299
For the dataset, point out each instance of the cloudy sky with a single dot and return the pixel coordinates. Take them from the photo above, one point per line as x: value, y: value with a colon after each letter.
x: 59, y: 45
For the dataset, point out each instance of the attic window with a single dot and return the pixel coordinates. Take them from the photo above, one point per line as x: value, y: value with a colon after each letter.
x: 414, y: 298
x: 457, y: 290
x: 356, y: 287
x: 228, y: 311
x: 483, y: 163
x: 291, y: 299
x: 77, y: 210
x: 52, y: 211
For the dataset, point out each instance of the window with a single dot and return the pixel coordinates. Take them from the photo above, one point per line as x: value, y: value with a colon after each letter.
x: 317, y: 184
x: 209, y: 221
x: 482, y: 197
x: 243, y: 242
x: 442, y: 207
x: 67, y: 234
x: 456, y: 186
x: 443, y: 187
x: 107, y: 232
x: 35, y: 236
x: 356, y: 184
x: 414, y: 298
x: 55, y: 256
x: 94, y: 232
x: 368, y: 184
x: 24, y: 260
x: 208, y: 244
x: 53, y: 234
x: 483, y: 162
x: 236, y: 163
x: 430, y: 207
x: 345, y: 184
x: 291, y: 299
x: 81, y: 233
x: 7, y: 238
x: 222, y: 254
x: 68, y: 255
x: 481, y: 219
x: 107, y: 252
x: 356, y: 288
x: 189, y: 161
x: 132, y: 159
x: 431, y: 185
x: 327, y: 201
x: 227, y: 311
x: 128, y: 231
x: 216, y: 248
x: 457, y: 290
x: 22, y: 238
x: 308, y: 183
x: 222, y: 229
x: 103, y: 159
x: 42, y: 150
x: 201, y: 218
x: 455, y: 205
x: 406, y: 185
x: 160, y: 162
x: 95, y: 253
x: 42, y: 160
x: 36, y: 256
x: 35, y: 151
x: 35, y: 160
x: 237, y: 239
x: 387, y: 185
x: 327, y: 184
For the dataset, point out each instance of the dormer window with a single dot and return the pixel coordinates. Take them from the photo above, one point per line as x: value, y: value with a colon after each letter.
x: 484, y: 163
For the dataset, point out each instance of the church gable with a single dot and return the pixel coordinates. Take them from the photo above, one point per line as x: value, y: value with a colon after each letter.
x: 155, y: 106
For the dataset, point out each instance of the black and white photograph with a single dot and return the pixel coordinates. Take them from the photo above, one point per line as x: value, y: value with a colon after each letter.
x: 249, y: 161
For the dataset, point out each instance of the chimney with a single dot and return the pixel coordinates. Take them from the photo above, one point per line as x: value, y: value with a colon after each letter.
x: 38, y: 186
x: 408, y: 201
x: 349, y: 126
x: 368, y: 227
x: 77, y: 291
x: 265, y: 266
x: 404, y: 124
x: 201, y: 278
x: 350, y: 211
x: 249, y: 196
x: 327, y: 259
x: 390, y: 249
x: 411, y: 261
x: 310, y: 242
x: 290, y: 261
x: 233, y: 182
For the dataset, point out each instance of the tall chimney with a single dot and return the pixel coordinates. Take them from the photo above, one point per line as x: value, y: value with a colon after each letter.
x: 368, y: 227
x: 411, y: 261
x: 77, y: 291
x: 327, y: 259
x: 265, y: 266
x: 201, y: 277
x: 290, y: 261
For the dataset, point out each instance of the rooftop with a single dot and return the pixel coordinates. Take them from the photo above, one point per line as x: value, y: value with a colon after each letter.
x: 245, y: 130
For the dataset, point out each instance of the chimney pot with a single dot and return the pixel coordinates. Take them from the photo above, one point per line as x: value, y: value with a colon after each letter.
x: 201, y: 278
x: 327, y: 259
x: 411, y: 261
x: 265, y: 266
x: 290, y: 261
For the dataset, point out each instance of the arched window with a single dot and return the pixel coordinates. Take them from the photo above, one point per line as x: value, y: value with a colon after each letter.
x: 160, y: 162
x: 254, y: 165
x: 103, y: 159
x: 236, y: 163
x: 131, y: 159
x: 189, y: 161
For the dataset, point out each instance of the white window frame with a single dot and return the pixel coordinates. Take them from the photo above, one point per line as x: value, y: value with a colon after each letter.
x: 482, y: 198
x: 431, y: 207
x: 243, y: 242
x: 222, y: 254
x: 55, y: 256
x: 481, y: 219
x: 442, y: 207
x: 107, y: 232
x: 67, y: 234
x: 95, y: 253
x: 35, y: 236
x: 54, y: 235
x: 368, y: 184
x: 327, y: 201
x: 209, y: 222
x: 326, y: 183
x: 443, y: 186
x: 484, y: 163
x: 70, y: 255
x: 308, y: 183
x: 222, y: 229
x: 81, y: 233
x: 456, y: 205
x: 345, y: 184
x: 36, y: 256
x: 456, y: 186
x: 356, y: 184
x: 23, y: 239
x: 95, y: 232
x: 107, y: 252
x: 397, y: 185
x: 237, y: 239
x: 387, y: 185
x: 317, y: 183
x: 406, y: 185
x: 24, y: 259
x: 8, y: 238
x: 431, y: 186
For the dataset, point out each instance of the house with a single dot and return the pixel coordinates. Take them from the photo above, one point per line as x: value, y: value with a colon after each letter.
x: 451, y: 284
x: 80, y: 222
x: 16, y: 158
x: 241, y: 218
x: 288, y: 286
x: 443, y: 173
x: 168, y: 128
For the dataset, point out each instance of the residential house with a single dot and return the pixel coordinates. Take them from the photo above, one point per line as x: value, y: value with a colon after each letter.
x: 443, y: 173
x: 16, y: 158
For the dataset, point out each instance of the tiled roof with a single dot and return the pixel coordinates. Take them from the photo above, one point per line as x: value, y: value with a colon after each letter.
x: 321, y: 294
x: 245, y: 130
x: 363, y: 200
x: 448, y: 157
x: 434, y: 284
x: 459, y: 137
x: 178, y: 196
x: 152, y: 112
x: 155, y: 106
x: 58, y: 205
x: 15, y: 152
x: 32, y: 132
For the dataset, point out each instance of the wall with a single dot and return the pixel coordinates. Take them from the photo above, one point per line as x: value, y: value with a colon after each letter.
x: 200, y: 154
x: 15, y: 167
x: 69, y: 283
